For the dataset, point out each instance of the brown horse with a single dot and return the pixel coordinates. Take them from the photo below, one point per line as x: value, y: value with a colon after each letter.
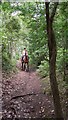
x: 25, y: 63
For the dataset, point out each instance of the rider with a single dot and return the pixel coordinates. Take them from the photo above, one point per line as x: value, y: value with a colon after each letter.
x: 24, y: 53
x: 25, y: 60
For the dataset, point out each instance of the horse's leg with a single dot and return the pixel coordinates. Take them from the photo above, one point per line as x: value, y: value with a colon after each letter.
x: 27, y: 67
x: 22, y: 65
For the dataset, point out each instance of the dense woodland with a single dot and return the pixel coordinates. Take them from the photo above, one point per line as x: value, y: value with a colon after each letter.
x: 43, y: 29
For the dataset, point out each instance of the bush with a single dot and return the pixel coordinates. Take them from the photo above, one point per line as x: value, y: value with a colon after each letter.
x: 43, y: 69
x: 7, y: 64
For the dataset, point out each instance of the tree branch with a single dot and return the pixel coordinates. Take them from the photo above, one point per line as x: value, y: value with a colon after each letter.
x: 47, y: 12
x: 15, y: 97
x: 53, y: 11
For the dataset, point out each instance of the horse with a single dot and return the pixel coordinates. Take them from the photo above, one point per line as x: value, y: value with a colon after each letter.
x: 25, y: 63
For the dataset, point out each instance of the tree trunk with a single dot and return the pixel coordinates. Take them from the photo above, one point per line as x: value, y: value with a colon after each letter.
x: 66, y: 79
x: 66, y: 74
x: 52, y: 62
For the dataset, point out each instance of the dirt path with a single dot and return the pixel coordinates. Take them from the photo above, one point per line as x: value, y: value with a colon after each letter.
x: 23, y: 97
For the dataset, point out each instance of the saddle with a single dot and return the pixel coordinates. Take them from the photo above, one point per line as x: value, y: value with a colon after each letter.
x: 25, y: 59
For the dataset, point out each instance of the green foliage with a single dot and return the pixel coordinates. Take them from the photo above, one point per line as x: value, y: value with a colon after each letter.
x: 25, y: 26
x: 28, y: 29
x: 61, y: 84
x: 13, y: 25
x: 60, y: 60
x: 6, y: 62
x: 17, y: 56
x: 6, y: 6
x: 10, y: 27
x: 43, y: 69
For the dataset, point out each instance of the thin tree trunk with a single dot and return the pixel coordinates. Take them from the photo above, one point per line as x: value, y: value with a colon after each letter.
x: 53, y: 80
x: 52, y: 61
x: 64, y: 63
x: 66, y: 72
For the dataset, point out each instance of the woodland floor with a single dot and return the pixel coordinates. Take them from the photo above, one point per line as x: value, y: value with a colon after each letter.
x: 23, y: 97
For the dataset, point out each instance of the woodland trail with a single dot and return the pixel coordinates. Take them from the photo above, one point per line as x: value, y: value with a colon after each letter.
x: 23, y: 97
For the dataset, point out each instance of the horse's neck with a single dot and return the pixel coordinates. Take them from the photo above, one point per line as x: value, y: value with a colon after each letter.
x: 25, y: 56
